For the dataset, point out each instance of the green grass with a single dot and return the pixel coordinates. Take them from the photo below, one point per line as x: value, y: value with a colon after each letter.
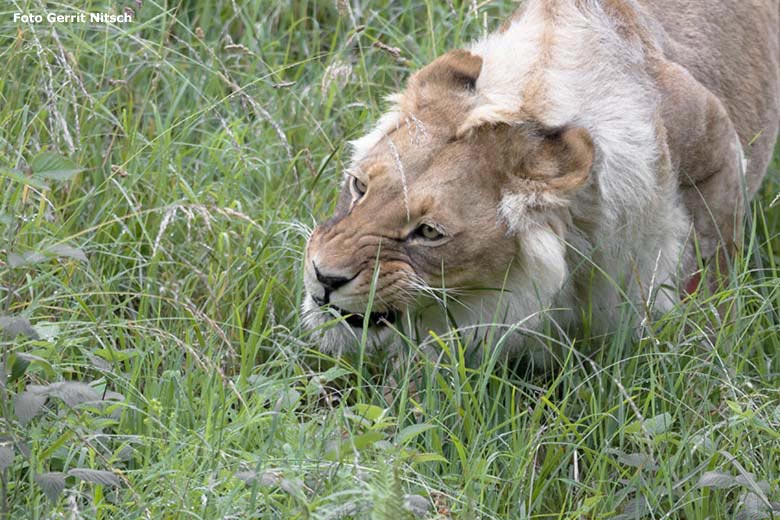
x: 210, y: 135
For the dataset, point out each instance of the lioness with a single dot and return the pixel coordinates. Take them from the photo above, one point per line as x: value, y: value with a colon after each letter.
x: 568, y: 163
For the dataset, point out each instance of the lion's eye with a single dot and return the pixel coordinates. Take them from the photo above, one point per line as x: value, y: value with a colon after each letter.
x: 428, y: 232
x: 358, y: 188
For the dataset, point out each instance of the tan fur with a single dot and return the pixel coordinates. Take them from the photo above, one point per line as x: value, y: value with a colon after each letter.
x: 525, y: 181
x: 719, y: 75
x: 732, y: 48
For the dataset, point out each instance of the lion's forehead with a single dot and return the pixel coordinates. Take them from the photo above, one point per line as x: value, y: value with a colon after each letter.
x: 402, y: 149
x: 397, y: 160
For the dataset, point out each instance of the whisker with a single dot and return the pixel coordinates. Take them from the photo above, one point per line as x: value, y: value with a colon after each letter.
x: 399, y: 166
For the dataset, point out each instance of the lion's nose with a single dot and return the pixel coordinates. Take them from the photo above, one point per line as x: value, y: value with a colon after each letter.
x: 330, y: 283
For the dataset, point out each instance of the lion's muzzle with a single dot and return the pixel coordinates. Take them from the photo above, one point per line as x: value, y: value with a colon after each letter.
x: 326, y: 284
x: 329, y: 283
x: 339, y: 284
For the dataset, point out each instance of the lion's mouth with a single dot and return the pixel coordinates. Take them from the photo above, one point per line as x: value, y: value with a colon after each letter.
x: 375, y: 319
x: 357, y: 320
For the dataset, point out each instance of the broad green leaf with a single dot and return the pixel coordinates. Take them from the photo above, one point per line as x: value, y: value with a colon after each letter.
x: 633, y: 427
x: 26, y: 259
x: 21, y: 178
x: 266, y: 479
x: 755, y: 507
x: 125, y: 453
x: 30, y: 258
x: 116, y: 355
x: 96, y: 476
x: 634, y: 509
x: 288, y: 400
x: 293, y: 487
x: 749, y: 481
x: 74, y: 393
x: 247, y: 477
x: 29, y: 359
x: 734, y: 407
x: 20, y: 446
x: 333, y: 373
x: 634, y: 460
x: 66, y: 251
x: 411, y: 432
x: 417, y: 505
x: 6, y: 456
x: 717, y: 480
x: 47, y: 330
x: 654, y: 425
x: 52, y: 484
x: 638, y: 460
x: 703, y: 442
x: 591, y: 502
x: 29, y: 403
x: 100, y: 363
x: 13, y: 326
x: 51, y: 165
x: 18, y: 367
x: 365, y: 440
x: 356, y: 443
x: 369, y: 411
x: 659, y: 424
x: 428, y: 457
x: 113, y: 396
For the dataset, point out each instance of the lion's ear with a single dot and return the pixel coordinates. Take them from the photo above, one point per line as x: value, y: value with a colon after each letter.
x: 443, y: 91
x: 545, y: 175
x: 570, y: 153
x: 457, y: 70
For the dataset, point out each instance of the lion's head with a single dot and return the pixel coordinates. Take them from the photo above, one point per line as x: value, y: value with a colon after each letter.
x: 435, y: 208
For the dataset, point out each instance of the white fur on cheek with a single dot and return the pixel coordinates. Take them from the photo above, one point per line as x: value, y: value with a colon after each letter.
x: 516, y: 209
x: 532, y: 289
x: 545, y: 254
